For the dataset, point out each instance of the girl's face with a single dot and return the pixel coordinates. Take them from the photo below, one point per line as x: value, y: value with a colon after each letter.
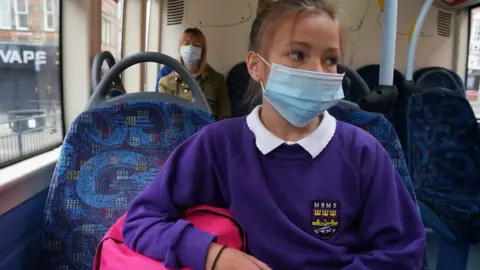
x: 311, y: 42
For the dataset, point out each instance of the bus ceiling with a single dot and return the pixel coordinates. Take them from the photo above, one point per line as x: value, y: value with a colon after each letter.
x: 457, y: 4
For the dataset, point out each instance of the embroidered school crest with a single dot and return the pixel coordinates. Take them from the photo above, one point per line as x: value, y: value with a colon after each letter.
x: 325, y: 218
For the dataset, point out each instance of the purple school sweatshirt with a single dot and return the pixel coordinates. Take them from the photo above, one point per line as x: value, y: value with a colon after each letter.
x: 347, y: 208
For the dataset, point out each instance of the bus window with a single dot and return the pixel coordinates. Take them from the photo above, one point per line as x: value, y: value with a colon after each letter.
x: 112, y: 21
x: 30, y: 85
x: 473, y: 69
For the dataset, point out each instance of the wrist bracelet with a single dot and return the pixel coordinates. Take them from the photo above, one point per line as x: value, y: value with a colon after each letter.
x: 218, y: 257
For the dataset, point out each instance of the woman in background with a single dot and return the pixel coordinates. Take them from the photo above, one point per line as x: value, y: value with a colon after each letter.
x: 193, y: 55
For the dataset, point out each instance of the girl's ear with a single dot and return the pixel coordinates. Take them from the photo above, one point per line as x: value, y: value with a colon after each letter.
x: 255, y: 66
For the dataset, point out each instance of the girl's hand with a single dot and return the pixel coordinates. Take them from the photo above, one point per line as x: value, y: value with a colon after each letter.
x: 232, y: 259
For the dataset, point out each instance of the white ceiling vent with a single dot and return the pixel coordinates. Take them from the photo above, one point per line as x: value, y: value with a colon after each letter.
x: 175, y: 11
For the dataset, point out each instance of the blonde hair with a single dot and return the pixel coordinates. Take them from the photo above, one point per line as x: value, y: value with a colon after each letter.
x: 196, y: 33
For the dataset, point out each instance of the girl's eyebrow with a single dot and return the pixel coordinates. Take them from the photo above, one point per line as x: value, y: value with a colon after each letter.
x: 308, y: 46
x: 299, y: 43
x: 333, y: 49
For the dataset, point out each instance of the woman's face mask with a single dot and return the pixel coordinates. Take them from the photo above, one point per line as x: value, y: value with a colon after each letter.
x: 190, y: 54
x: 301, y: 95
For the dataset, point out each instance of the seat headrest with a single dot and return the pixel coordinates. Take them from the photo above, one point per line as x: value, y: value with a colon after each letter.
x: 370, y: 74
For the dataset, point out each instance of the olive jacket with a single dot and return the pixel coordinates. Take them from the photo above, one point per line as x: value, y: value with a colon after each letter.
x: 211, y: 82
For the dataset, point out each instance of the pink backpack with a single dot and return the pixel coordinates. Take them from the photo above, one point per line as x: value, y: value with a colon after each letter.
x: 112, y: 254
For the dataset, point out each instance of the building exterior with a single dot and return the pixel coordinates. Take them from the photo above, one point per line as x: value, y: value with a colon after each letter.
x: 112, y: 13
x: 29, y: 37
x: 29, y: 51
x: 36, y: 22
x: 29, y: 21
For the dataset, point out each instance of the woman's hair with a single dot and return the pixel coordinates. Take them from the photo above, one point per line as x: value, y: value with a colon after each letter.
x: 270, y: 18
x: 196, y: 33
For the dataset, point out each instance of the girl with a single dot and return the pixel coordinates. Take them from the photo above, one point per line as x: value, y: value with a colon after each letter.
x: 311, y: 192
x: 193, y: 55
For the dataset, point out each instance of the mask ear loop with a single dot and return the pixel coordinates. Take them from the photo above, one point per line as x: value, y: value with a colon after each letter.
x: 265, y: 61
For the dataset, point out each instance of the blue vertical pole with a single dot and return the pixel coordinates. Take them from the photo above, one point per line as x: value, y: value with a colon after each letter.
x: 413, y: 39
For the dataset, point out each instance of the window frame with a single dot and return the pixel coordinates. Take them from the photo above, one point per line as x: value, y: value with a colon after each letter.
x: 9, y: 25
x: 17, y: 13
x: 47, y: 13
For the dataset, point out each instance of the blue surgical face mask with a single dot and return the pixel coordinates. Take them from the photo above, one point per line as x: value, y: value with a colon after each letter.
x: 190, y: 54
x: 301, y: 95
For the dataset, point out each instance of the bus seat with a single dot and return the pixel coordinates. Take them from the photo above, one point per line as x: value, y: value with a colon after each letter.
x: 439, y: 79
x: 109, y: 155
x: 351, y: 94
x: 163, y: 72
x: 237, y: 82
x: 445, y: 161
x: 370, y: 74
x: 382, y: 130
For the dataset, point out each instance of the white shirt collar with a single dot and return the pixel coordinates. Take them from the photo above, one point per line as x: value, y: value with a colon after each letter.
x: 314, y: 143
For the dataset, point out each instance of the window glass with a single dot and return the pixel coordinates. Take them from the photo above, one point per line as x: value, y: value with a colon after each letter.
x: 473, y: 68
x: 49, y: 15
x: 21, y: 14
x: 30, y: 89
x: 5, y: 14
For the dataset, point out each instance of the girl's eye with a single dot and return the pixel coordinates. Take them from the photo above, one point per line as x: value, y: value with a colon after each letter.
x: 297, y: 56
x: 331, y: 61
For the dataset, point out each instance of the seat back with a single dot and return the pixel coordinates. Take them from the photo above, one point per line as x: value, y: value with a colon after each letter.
x: 396, y: 116
x: 370, y: 74
x: 237, y: 82
x: 109, y: 155
x: 382, y: 130
x: 440, y: 77
x: 444, y: 140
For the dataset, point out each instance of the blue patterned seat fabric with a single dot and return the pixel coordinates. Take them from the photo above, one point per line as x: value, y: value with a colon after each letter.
x: 445, y: 159
x: 382, y: 130
x: 109, y: 155
x: 439, y: 79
